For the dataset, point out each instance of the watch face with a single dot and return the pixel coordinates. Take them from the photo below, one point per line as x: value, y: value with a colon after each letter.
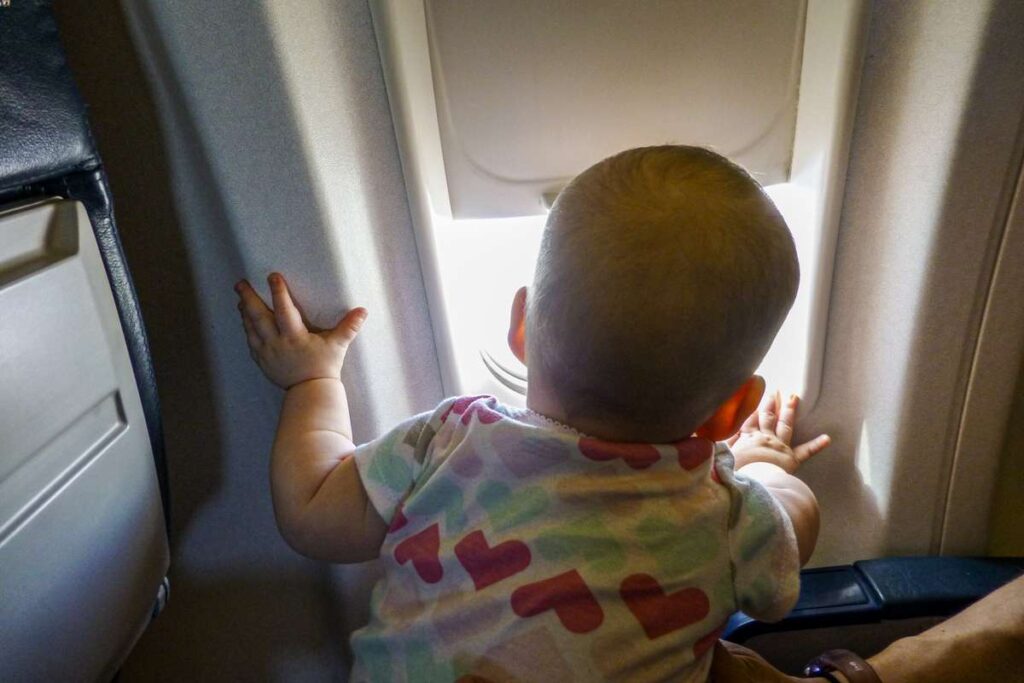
x: 852, y: 666
x: 818, y: 667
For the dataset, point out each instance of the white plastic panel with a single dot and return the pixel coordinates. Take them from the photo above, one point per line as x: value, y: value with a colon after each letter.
x: 82, y: 543
x: 974, y: 486
x: 530, y: 93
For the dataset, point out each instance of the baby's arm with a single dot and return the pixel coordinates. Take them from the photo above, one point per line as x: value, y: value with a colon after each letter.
x: 796, y: 499
x: 321, y: 507
x: 763, y: 452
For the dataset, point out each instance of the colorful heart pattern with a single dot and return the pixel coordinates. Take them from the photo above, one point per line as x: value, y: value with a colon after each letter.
x: 706, y: 642
x: 527, y: 456
x: 398, y: 521
x: 694, y: 452
x: 465, y: 461
x: 638, y: 456
x: 464, y: 616
x: 507, y: 508
x: 459, y: 406
x: 483, y: 413
x: 660, y: 613
x: 588, y: 540
x: 488, y: 565
x: 468, y: 406
x: 517, y: 500
x: 422, y: 549
x: 444, y: 498
x: 567, y: 594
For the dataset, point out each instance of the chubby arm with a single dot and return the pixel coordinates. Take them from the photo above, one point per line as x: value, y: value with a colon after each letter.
x: 320, y: 505
x: 763, y: 452
x: 796, y: 499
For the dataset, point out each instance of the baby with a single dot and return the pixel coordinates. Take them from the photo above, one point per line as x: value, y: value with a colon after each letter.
x: 609, y: 530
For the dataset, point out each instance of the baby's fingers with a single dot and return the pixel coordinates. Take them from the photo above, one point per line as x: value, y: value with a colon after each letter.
x: 253, y: 308
x: 806, y: 451
x: 787, y: 419
x: 250, y: 333
x: 289, y: 321
x: 768, y: 415
x: 348, y: 327
x: 749, y: 425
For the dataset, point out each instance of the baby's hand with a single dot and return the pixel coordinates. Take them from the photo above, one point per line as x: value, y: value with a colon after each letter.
x: 766, y: 434
x: 286, y: 351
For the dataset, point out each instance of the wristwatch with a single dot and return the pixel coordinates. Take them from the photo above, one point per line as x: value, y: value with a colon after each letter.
x: 855, y: 669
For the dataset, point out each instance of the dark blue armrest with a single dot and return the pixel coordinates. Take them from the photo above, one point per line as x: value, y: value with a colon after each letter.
x: 872, y: 591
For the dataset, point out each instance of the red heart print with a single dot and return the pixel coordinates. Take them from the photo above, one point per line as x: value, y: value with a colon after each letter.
x: 637, y: 455
x: 567, y: 594
x: 706, y: 642
x: 659, y: 613
x: 422, y: 548
x: 398, y: 521
x: 483, y: 413
x: 487, y: 565
x: 694, y: 452
x: 460, y: 405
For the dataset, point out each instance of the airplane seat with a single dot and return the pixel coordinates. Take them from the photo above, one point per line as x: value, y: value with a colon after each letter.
x: 865, y: 606
x: 83, y: 489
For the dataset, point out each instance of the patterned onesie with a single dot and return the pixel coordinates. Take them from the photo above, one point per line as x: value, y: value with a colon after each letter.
x: 521, y: 550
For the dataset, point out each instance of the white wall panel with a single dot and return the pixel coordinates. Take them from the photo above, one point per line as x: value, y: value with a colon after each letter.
x: 532, y: 92
x: 935, y: 154
x: 268, y: 144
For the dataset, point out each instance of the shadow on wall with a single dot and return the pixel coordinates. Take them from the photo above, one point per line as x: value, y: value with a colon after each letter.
x: 125, y: 125
x: 371, y: 137
x: 853, y: 409
x: 987, y: 158
x: 933, y: 145
x: 273, y: 624
x: 1007, y: 537
x: 243, y: 606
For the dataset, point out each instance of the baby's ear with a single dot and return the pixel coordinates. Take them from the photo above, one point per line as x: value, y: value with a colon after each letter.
x: 727, y: 420
x: 517, y: 326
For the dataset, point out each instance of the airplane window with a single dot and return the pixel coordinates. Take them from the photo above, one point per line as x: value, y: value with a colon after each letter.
x: 479, y: 173
x: 484, y: 261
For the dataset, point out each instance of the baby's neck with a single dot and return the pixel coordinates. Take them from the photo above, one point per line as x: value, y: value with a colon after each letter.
x: 545, y: 403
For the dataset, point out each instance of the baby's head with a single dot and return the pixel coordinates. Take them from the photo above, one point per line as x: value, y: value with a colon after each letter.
x: 663, y: 276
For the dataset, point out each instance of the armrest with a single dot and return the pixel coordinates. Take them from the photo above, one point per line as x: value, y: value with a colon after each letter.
x: 871, y: 591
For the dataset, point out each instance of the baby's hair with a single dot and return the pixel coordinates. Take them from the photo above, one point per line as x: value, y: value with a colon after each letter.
x: 664, y: 274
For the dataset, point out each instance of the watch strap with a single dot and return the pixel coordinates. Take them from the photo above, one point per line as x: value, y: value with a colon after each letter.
x: 852, y: 666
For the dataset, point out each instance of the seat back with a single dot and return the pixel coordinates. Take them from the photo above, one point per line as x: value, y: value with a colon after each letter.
x: 83, y: 505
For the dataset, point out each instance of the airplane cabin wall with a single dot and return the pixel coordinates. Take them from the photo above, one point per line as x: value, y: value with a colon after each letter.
x: 208, y: 153
x: 935, y: 156
x: 1007, y: 534
x: 257, y: 136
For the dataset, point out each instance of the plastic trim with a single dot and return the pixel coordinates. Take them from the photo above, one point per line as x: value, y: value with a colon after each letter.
x: 872, y: 591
